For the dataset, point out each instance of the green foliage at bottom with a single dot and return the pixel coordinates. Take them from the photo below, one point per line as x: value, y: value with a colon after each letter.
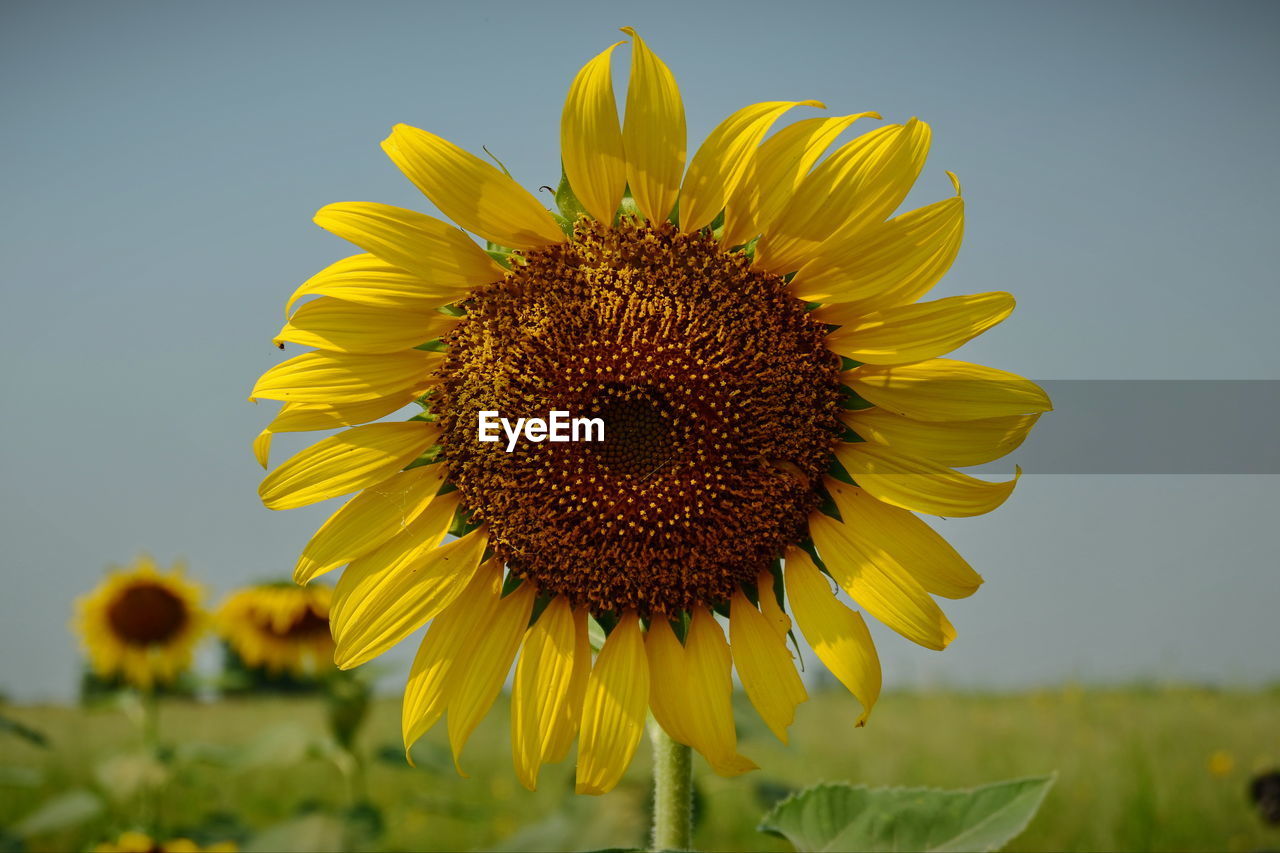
x: 886, y: 820
x: 1133, y: 771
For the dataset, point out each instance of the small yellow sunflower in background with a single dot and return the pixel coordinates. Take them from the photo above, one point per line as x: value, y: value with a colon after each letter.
x: 141, y: 624
x: 749, y: 331
x: 140, y: 842
x: 279, y: 627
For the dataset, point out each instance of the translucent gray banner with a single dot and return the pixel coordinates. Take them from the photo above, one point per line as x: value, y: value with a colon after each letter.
x: 1116, y: 426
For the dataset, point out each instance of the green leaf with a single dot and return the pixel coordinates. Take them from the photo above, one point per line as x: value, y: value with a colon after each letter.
x: 627, y: 207
x: 62, y: 812
x: 122, y: 776
x: 598, y: 825
x: 501, y: 254
x: 278, y: 746
x: 595, y: 634
x: 847, y: 817
x: 314, y: 833
x: 8, y: 725
x: 13, y: 776
x: 567, y: 202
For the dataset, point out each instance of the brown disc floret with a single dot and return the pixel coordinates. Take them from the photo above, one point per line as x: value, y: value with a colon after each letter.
x: 719, y: 401
x: 147, y: 614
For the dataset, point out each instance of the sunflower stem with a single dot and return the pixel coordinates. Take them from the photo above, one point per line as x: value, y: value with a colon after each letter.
x: 150, y: 725
x: 672, y: 792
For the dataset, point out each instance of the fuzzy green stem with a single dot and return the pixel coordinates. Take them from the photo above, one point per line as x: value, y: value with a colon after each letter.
x: 672, y: 792
x: 150, y: 725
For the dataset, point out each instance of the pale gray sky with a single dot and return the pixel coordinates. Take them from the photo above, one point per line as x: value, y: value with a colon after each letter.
x: 161, y: 163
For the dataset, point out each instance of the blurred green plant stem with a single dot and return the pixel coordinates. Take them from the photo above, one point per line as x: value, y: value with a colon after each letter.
x: 672, y: 792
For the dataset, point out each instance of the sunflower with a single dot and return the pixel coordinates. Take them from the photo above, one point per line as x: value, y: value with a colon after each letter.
x: 139, y: 842
x: 748, y: 330
x: 140, y: 624
x: 279, y: 627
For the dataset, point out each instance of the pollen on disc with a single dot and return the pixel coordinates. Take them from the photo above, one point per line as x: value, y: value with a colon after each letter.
x: 719, y: 399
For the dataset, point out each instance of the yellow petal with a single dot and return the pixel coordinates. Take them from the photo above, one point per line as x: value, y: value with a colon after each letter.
x: 764, y: 664
x: 339, y: 378
x: 707, y: 704
x: 880, y: 584
x: 653, y: 132
x: 855, y: 190
x: 333, y: 324
x: 880, y: 529
x: 472, y: 688
x: 883, y: 188
x: 613, y: 708
x: 669, y: 681
x: 954, y: 443
x: 435, y: 251
x: 919, y: 484
x: 921, y: 331
x: 447, y: 639
x: 300, y: 418
x: 718, y: 166
x: 369, y: 519
x: 369, y: 280
x: 838, y: 635
x: 591, y: 141
x: 770, y: 607
x: 307, y: 417
x: 471, y: 192
x: 541, y: 690
x: 382, y: 598
x: 565, y: 726
x: 886, y: 264
x: 689, y: 691
x: 774, y: 171
x: 825, y: 199
x: 945, y: 390
x: 262, y: 447
x: 346, y: 462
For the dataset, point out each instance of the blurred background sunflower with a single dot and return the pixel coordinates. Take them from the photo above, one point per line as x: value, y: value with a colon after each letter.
x: 676, y: 306
x: 140, y: 624
x: 279, y: 628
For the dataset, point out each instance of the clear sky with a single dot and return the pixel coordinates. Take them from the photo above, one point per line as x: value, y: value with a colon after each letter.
x: 161, y: 163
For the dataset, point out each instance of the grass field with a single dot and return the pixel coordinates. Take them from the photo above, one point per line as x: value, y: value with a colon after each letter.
x: 1133, y: 770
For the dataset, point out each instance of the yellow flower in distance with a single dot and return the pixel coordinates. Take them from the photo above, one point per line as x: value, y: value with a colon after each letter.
x: 1221, y: 763
x: 674, y: 301
x: 141, y: 624
x: 279, y: 627
x: 139, y: 842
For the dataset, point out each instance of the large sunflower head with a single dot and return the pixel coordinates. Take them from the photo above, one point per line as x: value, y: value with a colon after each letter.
x: 140, y: 624
x: 279, y: 627
x: 747, y: 334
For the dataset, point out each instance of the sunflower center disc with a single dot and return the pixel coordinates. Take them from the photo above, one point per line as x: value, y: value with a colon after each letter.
x: 719, y: 399
x: 146, y: 614
x: 309, y: 624
x: 639, y: 433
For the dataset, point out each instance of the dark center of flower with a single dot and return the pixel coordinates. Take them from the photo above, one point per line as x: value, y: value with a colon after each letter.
x: 147, y: 614
x: 307, y: 626
x: 719, y: 400
x: 640, y: 430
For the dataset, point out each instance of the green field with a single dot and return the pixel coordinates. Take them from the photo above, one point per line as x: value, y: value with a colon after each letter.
x: 1132, y: 764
